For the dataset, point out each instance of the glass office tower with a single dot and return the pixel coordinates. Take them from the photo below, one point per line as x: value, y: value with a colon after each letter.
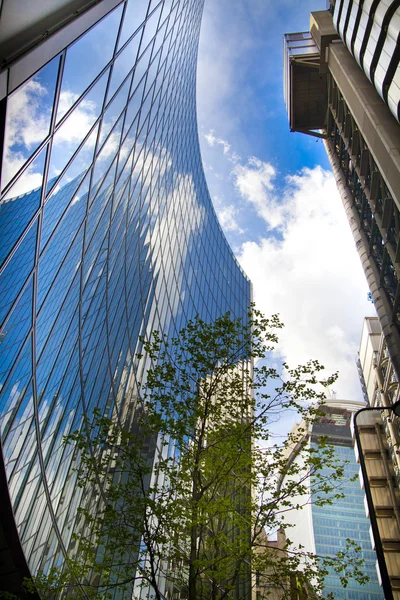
x: 323, y: 530
x: 346, y: 519
x: 107, y: 233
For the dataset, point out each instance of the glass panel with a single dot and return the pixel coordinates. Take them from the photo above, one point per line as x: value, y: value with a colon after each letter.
x: 103, y: 196
x: 123, y: 64
x: 75, y: 128
x: 108, y: 152
x: 28, y: 119
x: 113, y: 112
x: 16, y: 272
x: 150, y: 28
x: 133, y: 107
x: 15, y: 331
x: 141, y: 67
x: 135, y: 14
x: 20, y: 205
x: 124, y: 153
x: 78, y: 167
x: 60, y: 262
x: 159, y: 39
x: 166, y: 8
x: 13, y: 392
x: 65, y: 197
x: 97, y: 48
x: 54, y: 339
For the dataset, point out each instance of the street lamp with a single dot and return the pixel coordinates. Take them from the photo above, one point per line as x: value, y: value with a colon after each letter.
x: 387, y: 588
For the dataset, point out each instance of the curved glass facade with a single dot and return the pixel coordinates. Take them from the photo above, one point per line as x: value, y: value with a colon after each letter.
x: 107, y: 233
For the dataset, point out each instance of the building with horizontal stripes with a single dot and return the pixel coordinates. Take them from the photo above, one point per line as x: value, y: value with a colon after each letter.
x: 379, y: 434
x: 370, y: 30
x: 107, y: 233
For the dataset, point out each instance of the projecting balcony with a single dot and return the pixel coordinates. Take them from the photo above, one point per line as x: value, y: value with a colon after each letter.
x: 305, y: 75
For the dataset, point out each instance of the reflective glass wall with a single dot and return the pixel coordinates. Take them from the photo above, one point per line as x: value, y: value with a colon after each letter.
x: 107, y: 232
x: 345, y: 518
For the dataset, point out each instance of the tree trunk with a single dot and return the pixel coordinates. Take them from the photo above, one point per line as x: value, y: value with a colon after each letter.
x: 192, y: 593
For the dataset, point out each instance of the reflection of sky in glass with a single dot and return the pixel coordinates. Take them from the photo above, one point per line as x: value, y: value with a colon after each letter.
x: 345, y: 518
x: 77, y: 125
x: 28, y: 117
x: 15, y: 217
x: 150, y: 27
x: 127, y: 244
x: 96, y: 48
x: 134, y: 17
x: 123, y: 65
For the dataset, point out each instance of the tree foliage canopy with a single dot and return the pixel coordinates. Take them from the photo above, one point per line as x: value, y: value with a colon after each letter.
x: 182, y: 491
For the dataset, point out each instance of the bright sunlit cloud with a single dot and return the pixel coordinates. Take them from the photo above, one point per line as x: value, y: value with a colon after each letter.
x: 304, y: 264
x: 228, y: 216
x: 313, y: 278
x: 254, y: 182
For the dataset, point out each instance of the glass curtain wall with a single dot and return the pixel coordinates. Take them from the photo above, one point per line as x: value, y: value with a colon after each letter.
x: 108, y: 232
x: 345, y: 518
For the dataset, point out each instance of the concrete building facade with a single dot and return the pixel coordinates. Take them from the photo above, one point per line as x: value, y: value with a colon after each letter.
x: 379, y: 432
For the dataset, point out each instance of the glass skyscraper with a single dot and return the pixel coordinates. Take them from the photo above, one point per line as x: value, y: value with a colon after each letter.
x: 346, y: 519
x: 324, y: 530
x: 107, y: 233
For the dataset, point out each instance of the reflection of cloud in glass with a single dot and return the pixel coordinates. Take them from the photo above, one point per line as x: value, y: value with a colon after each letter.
x: 81, y: 119
x: 27, y: 122
x: 22, y: 130
x: 123, y: 64
x: 81, y: 162
x: 76, y: 126
x: 31, y: 179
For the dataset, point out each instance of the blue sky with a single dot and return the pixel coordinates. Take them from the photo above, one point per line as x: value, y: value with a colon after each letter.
x: 273, y: 190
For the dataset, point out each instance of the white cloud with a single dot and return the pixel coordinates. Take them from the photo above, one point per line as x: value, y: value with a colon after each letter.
x: 79, y: 122
x: 26, y: 126
x: 254, y: 182
x: 234, y: 157
x: 27, y: 123
x: 227, y: 216
x: 30, y: 180
x: 312, y: 276
x: 212, y: 140
x: 302, y: 261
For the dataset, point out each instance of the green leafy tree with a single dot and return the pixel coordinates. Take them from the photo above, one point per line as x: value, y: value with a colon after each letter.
x: 182, y: 490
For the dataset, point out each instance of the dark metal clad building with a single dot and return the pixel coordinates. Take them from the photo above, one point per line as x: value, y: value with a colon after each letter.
x: 107, y: 233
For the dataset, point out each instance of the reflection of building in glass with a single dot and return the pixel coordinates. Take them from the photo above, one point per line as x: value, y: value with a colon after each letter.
x: 324, y: 530
x: 108, y: 232
x: 380, y: 437
x: 355, y: 110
